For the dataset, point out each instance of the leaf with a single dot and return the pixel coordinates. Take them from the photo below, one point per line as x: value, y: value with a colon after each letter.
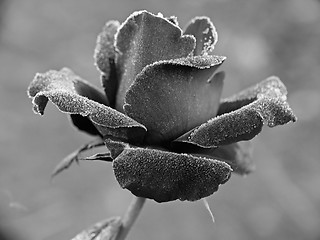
x: 205, y: 33
x: 75, y: 96
x: 268, y: 106
x: 172, y: 97
x: 100, y: 156
x: 143, y: 39
x: 104, y: 230
x: 75, y: 156
x: 166, y: 176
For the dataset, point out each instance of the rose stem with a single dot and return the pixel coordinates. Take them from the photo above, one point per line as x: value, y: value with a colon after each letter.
x: 130, y: 217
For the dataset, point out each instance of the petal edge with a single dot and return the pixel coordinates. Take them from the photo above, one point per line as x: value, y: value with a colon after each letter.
x: 58, y: 87
x: 166, y: 176
x: 267, y: 106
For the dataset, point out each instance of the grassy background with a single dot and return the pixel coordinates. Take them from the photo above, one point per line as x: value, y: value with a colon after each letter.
x: 280, y: 200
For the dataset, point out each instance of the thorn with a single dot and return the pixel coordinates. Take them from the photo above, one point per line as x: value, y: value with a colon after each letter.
x: 206, y: 204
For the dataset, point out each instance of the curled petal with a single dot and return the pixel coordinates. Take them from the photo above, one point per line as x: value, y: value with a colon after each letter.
x: 62, y: 89
x: 271, y: 87
x: 205, y: 33
x: 166, y: 176
x: 268, y: 106
x: 172, y: 97
x: 82, y: 88
x: 104, y: 56
x: 105, y: 49
x: 143, y: 39
x: 84, y: 124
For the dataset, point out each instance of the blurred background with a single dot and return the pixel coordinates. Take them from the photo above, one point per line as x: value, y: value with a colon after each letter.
x: 280, y: 200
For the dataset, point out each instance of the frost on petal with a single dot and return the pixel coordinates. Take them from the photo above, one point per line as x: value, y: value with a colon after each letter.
x: 205, y: 33
x: 166, y: 176
x: 105, y: 50
x: 143, y: 39
x: 172, y: 97
x: 271, y: 86
x: 104, y: 56
x: 173, y: 19
x: 243, y: 122
x: 62, y: 89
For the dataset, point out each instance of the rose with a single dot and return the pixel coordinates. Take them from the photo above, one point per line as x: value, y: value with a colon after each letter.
x: 168, y: 133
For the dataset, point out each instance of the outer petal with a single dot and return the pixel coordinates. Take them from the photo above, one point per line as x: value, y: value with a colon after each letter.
x: 62, y: 89
x: 84, y: 124
x: 143, y: 39
x: 166, y: 176
x: 104, y: 56
x: 204, y: 32
x: 172, y: 97
x: 238, y: 155
x: 268, y: 105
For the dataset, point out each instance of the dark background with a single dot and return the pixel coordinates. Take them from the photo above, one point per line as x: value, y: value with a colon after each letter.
x: 280, y: 200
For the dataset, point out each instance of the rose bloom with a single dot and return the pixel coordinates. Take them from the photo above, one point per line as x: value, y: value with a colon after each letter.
x: 168, y: 133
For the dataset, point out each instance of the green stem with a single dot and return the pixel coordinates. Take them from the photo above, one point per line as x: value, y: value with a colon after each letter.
x: 130, y: 217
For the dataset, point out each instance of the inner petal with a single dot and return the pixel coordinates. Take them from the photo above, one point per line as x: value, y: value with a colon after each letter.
x: 172, y: 97
x: 143, y: 39
x: 204, y: 32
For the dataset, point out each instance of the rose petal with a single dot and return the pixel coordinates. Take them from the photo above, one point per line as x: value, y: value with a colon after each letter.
x: 104, y: 56
x: 172, y: 97
x: 143, y: 39
x: 271, y: 86
x: 238, y: 155
x: 166, y: 176
x: 268, y: 106
x: 62, y: 89
x: 84, y: 124
x: 205, y: 33
x: 105, y: 49
x: 115, y: 147
x: 85, y: 89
